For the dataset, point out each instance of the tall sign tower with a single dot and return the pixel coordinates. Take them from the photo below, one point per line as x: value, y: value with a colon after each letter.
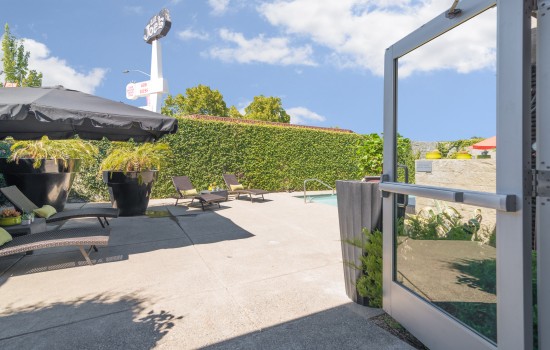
x: 157, y: 28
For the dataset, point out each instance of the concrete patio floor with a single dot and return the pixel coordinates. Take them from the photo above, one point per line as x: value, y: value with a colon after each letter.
x: 262, y: 275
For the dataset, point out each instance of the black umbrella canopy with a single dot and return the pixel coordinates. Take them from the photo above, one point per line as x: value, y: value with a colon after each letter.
x: 30, y: 113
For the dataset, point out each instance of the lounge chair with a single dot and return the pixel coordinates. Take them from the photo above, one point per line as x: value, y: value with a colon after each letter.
x: 236, y: 188
x: 21, y: 202
x: 80, y: 237
x: 185, y: 189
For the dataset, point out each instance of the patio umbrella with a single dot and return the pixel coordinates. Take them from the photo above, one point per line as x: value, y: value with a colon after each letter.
x: 30, y: 113
x: 489, y: 143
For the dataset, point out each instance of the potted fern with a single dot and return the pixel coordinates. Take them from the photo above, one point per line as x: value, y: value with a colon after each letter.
x: 130, y: 172
x: 44, y: 170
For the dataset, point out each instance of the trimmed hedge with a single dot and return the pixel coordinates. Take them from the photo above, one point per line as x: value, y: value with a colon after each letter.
x: 267, y: 156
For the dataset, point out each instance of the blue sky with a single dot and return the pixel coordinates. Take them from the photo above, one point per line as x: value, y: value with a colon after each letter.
x: 324, y: 59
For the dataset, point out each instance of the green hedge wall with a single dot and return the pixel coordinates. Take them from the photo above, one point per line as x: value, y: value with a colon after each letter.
x: 275, y: 158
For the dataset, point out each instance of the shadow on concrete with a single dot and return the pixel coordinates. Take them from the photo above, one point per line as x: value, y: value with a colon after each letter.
x: 255, y: 201
x: 342, y: 327
x: 99, y: 322
x: 129, y: 236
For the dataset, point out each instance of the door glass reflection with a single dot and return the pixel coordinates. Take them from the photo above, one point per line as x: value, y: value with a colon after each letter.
x: 446, y: 253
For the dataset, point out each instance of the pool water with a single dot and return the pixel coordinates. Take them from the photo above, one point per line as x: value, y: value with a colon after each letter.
x: 330, y: 199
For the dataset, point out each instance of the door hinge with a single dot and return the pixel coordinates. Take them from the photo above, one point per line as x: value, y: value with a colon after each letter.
x: 541, y: 183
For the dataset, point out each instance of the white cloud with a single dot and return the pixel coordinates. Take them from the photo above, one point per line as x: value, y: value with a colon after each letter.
x: 242, y: 105
x: 302, y: 115
x: 56, y: 71
x: 190, y: 34
x: 218, y: 6
x: 262, y: 50
x: 359, y: 31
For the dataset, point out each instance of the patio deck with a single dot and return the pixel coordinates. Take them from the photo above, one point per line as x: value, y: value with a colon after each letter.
x: 262, y: 275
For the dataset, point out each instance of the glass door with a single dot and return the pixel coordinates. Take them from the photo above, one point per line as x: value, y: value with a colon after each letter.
x: 457, y: 257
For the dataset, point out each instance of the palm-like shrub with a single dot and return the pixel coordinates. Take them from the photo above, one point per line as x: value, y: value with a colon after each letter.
x: 58, y: 150
x: 129, y: 157
x: 369, y: 283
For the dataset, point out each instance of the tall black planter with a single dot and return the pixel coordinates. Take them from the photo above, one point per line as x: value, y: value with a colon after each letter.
x: 49, y: 184
x: 130, y: 191
x: 359, y: 206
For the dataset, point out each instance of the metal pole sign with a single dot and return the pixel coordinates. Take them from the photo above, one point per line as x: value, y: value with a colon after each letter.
x: 157, y: 27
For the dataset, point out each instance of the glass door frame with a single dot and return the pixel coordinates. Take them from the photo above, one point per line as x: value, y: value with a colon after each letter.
x: 543, y: 172
x: 512, y: 200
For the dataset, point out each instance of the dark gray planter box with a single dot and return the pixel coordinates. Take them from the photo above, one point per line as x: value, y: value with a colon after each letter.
x: 359, y: 206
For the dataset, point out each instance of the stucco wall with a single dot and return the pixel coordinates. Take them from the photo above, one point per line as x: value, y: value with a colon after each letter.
x: 470, y: 174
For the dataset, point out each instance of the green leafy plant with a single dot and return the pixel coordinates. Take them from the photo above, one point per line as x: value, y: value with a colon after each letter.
x: 369, y: 284
x: 15, y: 61
x: 129, y: 157
x: 443, y: 222
x: 271, y: 157
x: 59, y: 150
x: 369, y: 150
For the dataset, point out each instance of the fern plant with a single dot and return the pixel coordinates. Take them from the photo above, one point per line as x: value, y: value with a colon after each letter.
x: 148, y: 156
x: 58, y: 150
x: 444, y: 222
x: 369, y: 284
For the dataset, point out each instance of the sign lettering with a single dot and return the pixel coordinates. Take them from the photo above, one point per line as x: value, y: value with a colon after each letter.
x: 158, y: 26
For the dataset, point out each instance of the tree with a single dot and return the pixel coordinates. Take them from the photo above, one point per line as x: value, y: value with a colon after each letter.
x: 234, y: 112
x: 197, y: 100
x: 268, y: 109
x: 15, y: 62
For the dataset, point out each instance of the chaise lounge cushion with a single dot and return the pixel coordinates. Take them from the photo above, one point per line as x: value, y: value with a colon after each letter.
x: 236, y: 187
x: 45, y: 212
x: 190, y: 192
x: 5, y: 237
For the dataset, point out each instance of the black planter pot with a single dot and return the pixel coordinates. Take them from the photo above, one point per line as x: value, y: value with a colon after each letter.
x: 130, y: 191
x: 49, y: 184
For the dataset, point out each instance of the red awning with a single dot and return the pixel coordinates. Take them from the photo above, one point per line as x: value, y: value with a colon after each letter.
x: 489, y: 143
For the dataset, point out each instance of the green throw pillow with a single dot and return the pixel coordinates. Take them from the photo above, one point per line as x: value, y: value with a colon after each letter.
x: 190, y: 192
x: 237, y: 187
x: 45, y: 212
x: 5, y: 237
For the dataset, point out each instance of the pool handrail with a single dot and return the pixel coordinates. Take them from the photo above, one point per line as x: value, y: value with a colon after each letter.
x: 321, y: 182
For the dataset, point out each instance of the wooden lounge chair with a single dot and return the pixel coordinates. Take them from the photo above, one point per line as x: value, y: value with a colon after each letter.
x: 80, y: 237
x: 21, y: 202
x: 185, y: 189
x: 233, y: 187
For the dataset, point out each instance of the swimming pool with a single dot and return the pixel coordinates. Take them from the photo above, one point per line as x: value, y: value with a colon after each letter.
x: 330, y: 199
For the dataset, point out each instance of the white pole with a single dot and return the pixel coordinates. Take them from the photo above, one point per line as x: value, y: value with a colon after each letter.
x: 156, y: 73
